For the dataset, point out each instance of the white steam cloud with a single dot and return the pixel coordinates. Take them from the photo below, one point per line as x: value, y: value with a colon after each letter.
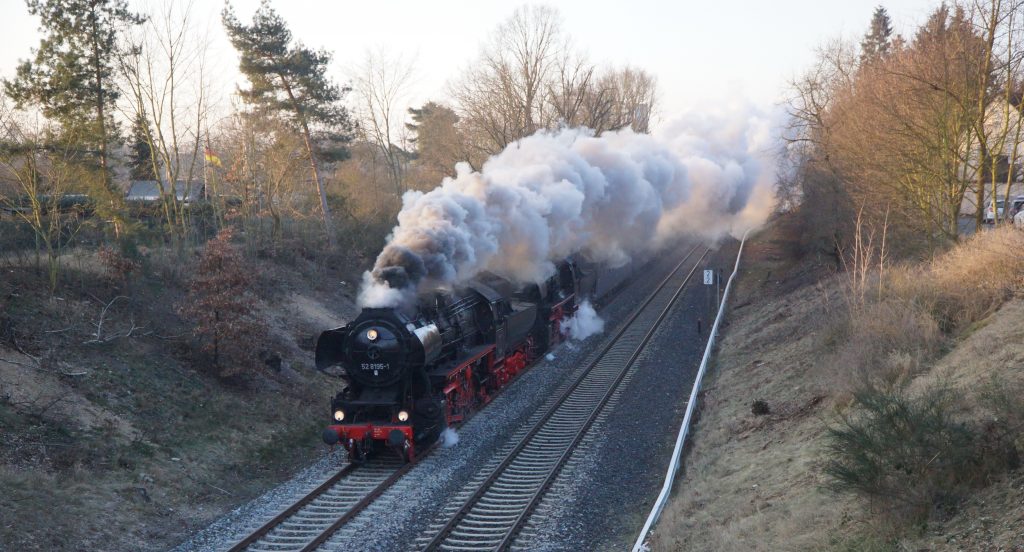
x: 584, y: 323
x: 449, y: 438
x: 554, y: 194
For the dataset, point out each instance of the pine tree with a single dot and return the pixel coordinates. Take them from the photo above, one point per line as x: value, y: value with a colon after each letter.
x: 437, y: 139
x: 71, y: 76
x: 141, y: 160
x: 289, y: 80
x: 878, y: 39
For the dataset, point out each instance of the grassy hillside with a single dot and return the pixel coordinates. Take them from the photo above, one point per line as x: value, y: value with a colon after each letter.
x: 117, y: 433
x: 888, y: 414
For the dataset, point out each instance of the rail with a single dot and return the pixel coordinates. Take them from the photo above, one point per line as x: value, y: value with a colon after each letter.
x: 311, y: 520
x: 673, y: 467
x: 515, y: 486
x: 306, y: 534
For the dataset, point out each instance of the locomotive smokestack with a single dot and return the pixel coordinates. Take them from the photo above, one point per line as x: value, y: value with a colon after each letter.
x: 554, y: 194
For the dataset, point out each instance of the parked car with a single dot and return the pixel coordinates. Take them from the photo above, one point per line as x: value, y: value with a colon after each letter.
x: 990, y: 216
x: 1018, y: 204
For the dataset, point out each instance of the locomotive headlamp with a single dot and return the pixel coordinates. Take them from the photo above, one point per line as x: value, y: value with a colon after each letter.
x: 339, y: 415
x: 403, y: 416
x: 371, y: 334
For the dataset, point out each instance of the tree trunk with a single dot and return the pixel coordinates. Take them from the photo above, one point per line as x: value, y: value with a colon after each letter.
x: 984, y: 82
x: 979, y: 199
x: 328, y: 225
x: 101, y: 113
x: 216, y: 338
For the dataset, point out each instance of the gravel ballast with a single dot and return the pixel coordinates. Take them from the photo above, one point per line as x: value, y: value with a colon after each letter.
x: 604, y: 493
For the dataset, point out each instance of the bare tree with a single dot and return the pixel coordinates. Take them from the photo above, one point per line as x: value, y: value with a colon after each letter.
x: 633, y: 99
x: 381, y: 85
x: 900, y: 134
x: 572, y: 95
x: 43, y: 173
x: 164, y: 70
x: 264, y: 175
x: 503, y: 96
x: 813, y: 95
x: 580, y: 96
x: 997, y: 124
x: 824, y: 208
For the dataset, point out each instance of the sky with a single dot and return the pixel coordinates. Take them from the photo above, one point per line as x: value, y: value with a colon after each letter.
x: 703, y: 53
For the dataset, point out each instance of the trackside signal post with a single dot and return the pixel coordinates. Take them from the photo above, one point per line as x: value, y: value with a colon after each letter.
x: 712, y: 277
x: 709, y: 276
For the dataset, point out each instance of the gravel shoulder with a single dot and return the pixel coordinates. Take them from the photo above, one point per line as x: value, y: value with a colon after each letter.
x: 602, y: 498
x: 401, y: 513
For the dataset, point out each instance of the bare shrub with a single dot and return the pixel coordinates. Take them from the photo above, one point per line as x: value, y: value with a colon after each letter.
x: 917, y: 454
x: 887, y: 342
x: 117, y: 266
x: 221, y: 304
x: 892, y: 335
x: 866, y: 252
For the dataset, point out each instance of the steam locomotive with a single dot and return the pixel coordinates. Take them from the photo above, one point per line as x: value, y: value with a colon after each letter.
x: 411, y: 374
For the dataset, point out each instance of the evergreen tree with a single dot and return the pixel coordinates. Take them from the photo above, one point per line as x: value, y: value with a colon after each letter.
x: 878, y: 39
x: 71, y: 76
x: 439, y: 144
x: 289, y: 80
x: 141, y: 160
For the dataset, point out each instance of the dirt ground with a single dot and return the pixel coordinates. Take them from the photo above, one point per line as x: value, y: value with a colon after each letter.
x: 755, y: 481
x: 127, y: 440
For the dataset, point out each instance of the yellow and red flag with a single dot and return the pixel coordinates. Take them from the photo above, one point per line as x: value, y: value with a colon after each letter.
x: 211, y: 157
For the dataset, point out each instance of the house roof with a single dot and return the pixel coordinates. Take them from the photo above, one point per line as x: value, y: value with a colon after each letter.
x: 149, y: 190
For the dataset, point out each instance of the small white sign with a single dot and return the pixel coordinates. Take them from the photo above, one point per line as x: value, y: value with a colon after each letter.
x: 709, y: 277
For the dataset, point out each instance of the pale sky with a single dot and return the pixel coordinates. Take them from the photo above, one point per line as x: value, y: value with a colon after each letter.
x: 702, y: 53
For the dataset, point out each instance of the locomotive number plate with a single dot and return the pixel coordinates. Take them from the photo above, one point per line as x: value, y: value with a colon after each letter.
x: 375, y: 366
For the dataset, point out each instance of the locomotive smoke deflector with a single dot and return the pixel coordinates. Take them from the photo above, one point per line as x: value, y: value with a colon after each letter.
x: 430, y: 341
x: 376, y: 347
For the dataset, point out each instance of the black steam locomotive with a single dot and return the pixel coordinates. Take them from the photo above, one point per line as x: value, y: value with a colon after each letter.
x: 410, y: 375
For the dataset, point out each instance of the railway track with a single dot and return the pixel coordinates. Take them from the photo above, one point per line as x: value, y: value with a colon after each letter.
x: 312, y: 520
x: 500, y: 501
x: 309, y: 522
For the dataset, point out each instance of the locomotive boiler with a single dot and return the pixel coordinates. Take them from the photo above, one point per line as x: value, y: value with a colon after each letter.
x: 410, y: 373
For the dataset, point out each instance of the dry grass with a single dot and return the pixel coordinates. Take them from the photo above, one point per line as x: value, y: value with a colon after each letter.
x: 132, y: 440
x: 756, y: 482
x: 966, y: 283
x: 891, y: 341
x: 750, y: 481
x: 896, y: 334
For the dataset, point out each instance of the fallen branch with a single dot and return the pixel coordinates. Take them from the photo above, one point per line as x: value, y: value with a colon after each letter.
x: 167, y: 337
x: 219, y: 489
x: 31, y: 405
x: 22, y: 364
x: 194, y: 480
x: 98, y: 336
x: 73, y: 374
x: 14, y: 340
